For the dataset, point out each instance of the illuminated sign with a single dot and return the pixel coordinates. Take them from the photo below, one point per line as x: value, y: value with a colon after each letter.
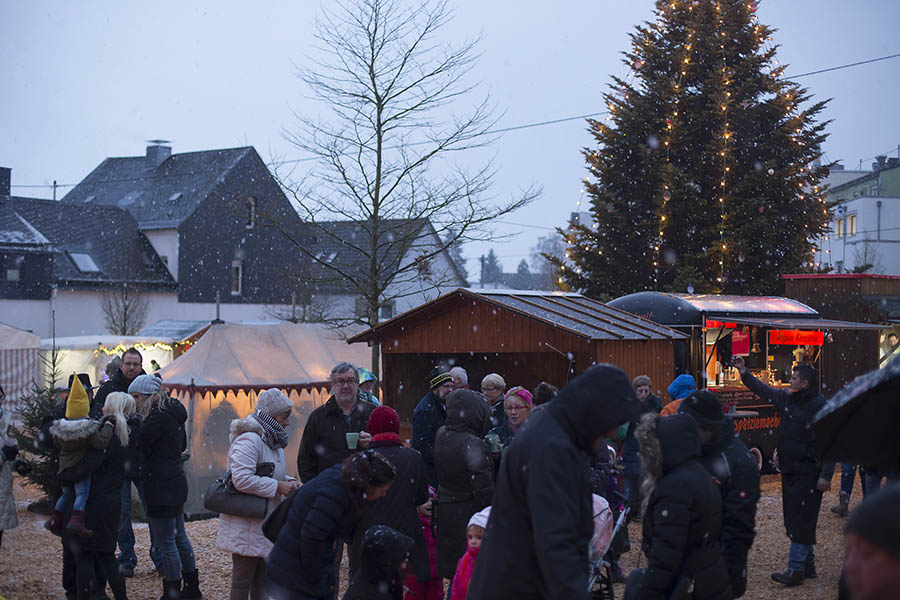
x: 794, y: 337
x: 711, y: 323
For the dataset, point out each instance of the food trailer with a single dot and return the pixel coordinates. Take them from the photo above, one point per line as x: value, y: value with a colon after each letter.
x: 772, y: 334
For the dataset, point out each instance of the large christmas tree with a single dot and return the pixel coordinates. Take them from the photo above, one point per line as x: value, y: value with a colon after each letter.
x: 705, y: 175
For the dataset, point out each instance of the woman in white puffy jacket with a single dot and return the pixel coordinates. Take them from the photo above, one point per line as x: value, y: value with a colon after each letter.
x: 260, y: 438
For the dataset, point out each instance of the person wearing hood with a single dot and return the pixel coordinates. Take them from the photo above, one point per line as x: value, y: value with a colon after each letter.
x: 803, y: 476
x: 429, y: 416
x: 465, y: 473
x: 682, y: 516
x: 538, y: 535
x: 680, y: 388
x: 258, y: 439
x: 161, y: 440
x: 729, y: 462
x: 383, y: 555
x: 872, y: 537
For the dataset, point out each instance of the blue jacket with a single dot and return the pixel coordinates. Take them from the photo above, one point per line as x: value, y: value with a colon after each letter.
x: 302, y: 560
x: 428, y: 417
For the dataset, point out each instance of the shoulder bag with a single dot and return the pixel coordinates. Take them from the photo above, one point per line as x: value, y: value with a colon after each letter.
x: 223, y: 498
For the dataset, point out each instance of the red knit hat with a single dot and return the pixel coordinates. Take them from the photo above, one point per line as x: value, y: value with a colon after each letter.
x: 383, y: 419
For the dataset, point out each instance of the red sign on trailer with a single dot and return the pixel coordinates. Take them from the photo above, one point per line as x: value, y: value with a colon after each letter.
x: 796, y: 337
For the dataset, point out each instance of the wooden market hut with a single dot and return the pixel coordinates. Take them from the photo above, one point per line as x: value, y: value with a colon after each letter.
x: 526, y: 336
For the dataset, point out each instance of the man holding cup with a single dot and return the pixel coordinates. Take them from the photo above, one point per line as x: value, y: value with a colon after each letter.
x: 335, y: 430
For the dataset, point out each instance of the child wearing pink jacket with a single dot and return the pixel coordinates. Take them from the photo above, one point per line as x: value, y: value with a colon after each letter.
x: 466, y: 564
x: 431, y: 589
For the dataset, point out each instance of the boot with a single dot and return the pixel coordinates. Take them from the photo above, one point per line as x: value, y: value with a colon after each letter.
x: 55, y: 523
x: 171, y: 590
x: 76, y: 525
x: 809, y: 570
x: 843, y: 506
x: 788, y: 577
x: 191, y: 588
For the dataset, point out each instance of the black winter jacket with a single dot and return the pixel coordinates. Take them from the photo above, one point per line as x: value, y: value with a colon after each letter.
x: 536, y: 543
x: 428, y: 416
x: 381, y: 553
x: 397, y: 509
x: 105, y: 499
x: 302, y: 560
x: 729, y: 462
x: 160, y: 440
x: 324, y: 441
x: 683, y: 519
x: 465, y: 475
x: 116, y: 383
x: 796, y: 440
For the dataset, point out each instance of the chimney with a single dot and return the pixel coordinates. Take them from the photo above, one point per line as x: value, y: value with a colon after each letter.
x: 157, y: 153
x: 5, y: 181
x: 879, y: 165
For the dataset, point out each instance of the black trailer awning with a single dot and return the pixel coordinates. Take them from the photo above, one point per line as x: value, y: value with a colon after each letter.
x: 795, y: 323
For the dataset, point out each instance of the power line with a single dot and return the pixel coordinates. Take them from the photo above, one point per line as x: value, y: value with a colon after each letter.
x: 847, y: 66
x: 505, y: 129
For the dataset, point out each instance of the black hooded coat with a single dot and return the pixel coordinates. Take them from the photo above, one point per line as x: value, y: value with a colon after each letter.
x: 465, y: 474
x: 683, y: 518
x: 729, y: 462
x: 382, y: 551
x: 536, y: 543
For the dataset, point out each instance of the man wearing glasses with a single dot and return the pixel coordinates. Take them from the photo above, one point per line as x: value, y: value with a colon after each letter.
x: 325, y: 440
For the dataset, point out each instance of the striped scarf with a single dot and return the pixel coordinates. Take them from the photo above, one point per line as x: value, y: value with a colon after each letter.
x: 274, y: 434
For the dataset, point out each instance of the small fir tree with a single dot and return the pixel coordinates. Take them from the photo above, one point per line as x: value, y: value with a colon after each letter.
x: 707, y: 172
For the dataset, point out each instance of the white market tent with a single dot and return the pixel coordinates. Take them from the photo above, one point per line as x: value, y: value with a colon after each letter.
x: 19, y: 364
x: 91, y: 353
x: 219, y: 378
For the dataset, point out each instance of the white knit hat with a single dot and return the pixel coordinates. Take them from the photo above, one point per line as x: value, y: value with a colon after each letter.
x: 273, y: 402
x: 480, y: 518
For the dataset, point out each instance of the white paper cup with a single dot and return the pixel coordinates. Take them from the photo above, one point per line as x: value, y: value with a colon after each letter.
x: 352, y: 440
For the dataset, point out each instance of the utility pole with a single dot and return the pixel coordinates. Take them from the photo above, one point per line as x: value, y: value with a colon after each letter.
x: 54, y: 190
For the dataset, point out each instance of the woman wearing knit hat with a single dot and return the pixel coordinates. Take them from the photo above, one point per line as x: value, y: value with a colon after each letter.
x: 517, y: 407
x: 160, y: 442
x: 259, y: 438
x: 409, y: 490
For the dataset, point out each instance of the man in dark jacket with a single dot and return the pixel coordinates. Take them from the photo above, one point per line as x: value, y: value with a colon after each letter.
x: 324, y: 442
x: 429, y: 416
x: 129, y: 369
x: 803, y: 476
x: 729, y: 462
x: 682, y: 517
x: 536, y: 543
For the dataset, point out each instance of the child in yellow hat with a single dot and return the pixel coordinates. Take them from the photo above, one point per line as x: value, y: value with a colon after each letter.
x: 73, y: 435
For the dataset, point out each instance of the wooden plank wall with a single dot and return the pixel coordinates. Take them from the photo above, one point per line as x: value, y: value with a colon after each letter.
x: 655, y: 358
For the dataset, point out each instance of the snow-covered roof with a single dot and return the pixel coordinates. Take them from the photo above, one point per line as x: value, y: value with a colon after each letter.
x: 173, y: 328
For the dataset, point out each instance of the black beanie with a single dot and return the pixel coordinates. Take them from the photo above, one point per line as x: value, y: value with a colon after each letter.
x: 704, y: 406
x: 876, y: 519
x: 438, y: 376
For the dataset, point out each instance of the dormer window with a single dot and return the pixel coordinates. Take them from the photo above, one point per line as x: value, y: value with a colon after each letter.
x: 251, y: 212
x: 84, y: 262
x: 236, y: 276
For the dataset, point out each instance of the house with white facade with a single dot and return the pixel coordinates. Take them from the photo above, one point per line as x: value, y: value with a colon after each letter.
x: 865, y: 221
x: 197, y: 235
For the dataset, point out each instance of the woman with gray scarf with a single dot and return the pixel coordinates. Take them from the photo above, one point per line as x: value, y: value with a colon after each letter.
x: 259, y: 438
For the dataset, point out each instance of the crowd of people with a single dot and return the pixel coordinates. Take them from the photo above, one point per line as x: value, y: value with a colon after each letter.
x: 495, y: 497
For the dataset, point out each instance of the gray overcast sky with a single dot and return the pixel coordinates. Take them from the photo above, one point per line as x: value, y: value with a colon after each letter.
x: 87, y: 80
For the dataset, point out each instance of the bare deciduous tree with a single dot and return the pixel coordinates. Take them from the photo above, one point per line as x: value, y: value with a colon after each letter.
x: 125, y: 308
x: 384, y: 154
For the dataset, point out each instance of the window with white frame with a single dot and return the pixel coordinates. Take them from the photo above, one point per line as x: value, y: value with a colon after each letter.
x: 251, y: 212
x: 852, y: 225
x: 839, y: 228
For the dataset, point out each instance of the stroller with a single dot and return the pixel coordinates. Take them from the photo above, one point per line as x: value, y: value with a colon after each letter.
x: 600, y: 583
x: 610, y: 526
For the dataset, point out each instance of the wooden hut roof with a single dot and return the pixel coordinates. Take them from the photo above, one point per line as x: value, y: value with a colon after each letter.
x: 575, y: 313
